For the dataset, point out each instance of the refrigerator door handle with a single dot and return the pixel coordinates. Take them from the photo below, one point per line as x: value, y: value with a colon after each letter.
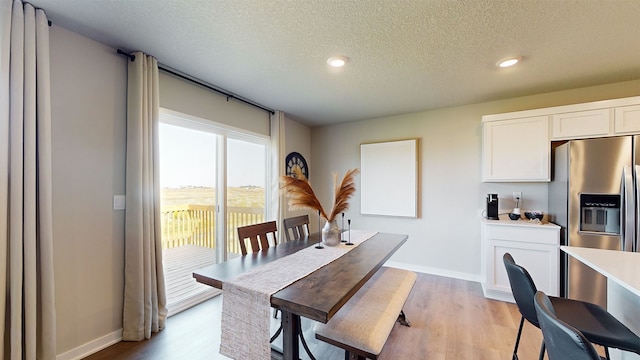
x: 628, y: 228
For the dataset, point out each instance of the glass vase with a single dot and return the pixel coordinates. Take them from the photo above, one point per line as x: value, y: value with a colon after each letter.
x: 331, y: 233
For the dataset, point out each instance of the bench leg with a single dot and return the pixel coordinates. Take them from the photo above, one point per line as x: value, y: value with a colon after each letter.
x: 402, y: 318
x: 352, y: 356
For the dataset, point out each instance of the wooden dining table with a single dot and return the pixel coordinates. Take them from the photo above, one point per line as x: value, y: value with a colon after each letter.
x: 317, y: 296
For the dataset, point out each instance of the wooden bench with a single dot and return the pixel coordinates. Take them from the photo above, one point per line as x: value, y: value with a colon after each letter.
x: 361, y: 327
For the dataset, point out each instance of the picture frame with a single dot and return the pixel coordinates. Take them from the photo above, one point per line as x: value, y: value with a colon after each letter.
x: 389, y: 178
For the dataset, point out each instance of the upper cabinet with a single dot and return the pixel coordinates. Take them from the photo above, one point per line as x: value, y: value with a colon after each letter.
x: 580, y: 124
x: 603, y: 122
x: 627, y: 120
x: 516, y: 147
x: 516, y: 150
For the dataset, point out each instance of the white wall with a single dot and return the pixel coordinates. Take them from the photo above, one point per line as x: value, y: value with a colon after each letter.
x: 88, y: 95
x: 298, y: 138
x: 189, y: 98
x: 89, y: 89
x: 445, y: 238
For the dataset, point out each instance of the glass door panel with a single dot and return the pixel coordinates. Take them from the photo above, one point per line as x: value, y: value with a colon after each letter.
x: 188, y: 210
x: 246, y: 181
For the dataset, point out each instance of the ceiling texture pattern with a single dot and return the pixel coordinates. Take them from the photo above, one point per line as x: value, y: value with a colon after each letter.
x: 404, y: 55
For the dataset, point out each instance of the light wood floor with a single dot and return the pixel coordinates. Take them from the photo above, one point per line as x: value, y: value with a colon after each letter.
x: 450, y: 319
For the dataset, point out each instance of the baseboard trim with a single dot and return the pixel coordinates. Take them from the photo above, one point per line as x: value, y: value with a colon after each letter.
x: 116, y: 336
x: 435, y: 271
x: 92, y: 346
x: 497, y: 295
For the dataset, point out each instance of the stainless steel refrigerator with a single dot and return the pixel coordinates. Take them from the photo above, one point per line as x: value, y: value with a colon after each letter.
x: 592, y: 196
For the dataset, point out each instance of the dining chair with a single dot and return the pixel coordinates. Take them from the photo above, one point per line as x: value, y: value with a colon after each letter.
x: 258, y: 235
x: 594, y: 322
x: 563, y: 341
x: 296, y: 227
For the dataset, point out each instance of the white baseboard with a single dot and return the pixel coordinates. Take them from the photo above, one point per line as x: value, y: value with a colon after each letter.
x: 116, y: 336
x: 497, y: 295
x: 435, y: 271
x: 92, y: 346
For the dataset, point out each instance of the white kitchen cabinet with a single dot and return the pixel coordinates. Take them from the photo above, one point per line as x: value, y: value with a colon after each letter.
x: 627, y: 120
x: 534, y: 246
x: 516, y: 150
x: 623, y: 120
x: 581, y: 124
x: 516, y: 146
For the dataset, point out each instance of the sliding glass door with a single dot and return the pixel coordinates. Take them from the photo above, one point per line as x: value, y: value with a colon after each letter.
x: 212, y: 180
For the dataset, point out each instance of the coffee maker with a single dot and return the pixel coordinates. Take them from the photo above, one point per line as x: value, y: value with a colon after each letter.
x: 492, y: 206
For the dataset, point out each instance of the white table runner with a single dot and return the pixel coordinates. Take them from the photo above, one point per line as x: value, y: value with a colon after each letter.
x: 246, y: 301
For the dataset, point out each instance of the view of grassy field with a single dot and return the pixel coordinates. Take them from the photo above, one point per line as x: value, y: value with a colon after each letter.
x: 188, y: 215
x: 246, y: 196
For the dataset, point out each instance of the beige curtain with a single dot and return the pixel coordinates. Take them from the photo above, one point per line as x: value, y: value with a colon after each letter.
x: 27, y: 303
x: 145, y: 309
x: 278, y: 201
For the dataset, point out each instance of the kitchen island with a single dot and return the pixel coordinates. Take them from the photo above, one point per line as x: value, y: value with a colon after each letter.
x: 622, y: 270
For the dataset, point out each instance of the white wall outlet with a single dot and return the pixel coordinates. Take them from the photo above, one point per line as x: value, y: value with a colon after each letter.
x: 119, y: 202
x: 517, y: 195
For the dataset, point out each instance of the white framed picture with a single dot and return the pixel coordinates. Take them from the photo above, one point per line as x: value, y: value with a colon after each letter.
x: 389, y: 178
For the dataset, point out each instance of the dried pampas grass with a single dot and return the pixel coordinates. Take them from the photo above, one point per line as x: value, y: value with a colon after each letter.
x: 301, y: 195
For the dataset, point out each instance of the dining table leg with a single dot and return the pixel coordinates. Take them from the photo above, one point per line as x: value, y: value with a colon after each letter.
x: 290, y: 333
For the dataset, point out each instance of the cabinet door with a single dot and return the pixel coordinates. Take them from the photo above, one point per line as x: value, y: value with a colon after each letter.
x: 581, y: 124
x: 516, y: 150
x: 627, y: 120
x: 541, y: 261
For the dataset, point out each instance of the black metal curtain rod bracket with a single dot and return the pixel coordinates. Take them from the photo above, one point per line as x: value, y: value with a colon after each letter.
x: 130, y: 56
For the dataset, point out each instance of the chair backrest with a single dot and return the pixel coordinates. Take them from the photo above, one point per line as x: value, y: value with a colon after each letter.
x: 296, y: 227
x: 522, y: 287
x: 258, y: 236
x: 563, y: 342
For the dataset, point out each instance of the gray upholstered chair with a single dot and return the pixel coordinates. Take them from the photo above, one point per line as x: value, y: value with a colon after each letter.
x: 563, y: 341
x: 594, y: 322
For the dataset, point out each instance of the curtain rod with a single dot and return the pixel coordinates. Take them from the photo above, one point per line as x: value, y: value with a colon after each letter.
x: 201, y: 83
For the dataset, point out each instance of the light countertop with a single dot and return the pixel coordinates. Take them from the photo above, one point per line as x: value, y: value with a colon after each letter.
x: 504, y: 220
x: 620, y: 266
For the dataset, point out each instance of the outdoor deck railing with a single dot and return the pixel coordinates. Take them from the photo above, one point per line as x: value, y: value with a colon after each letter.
x: 196, y: 225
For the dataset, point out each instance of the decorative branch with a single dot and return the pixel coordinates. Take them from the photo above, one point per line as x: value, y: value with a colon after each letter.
x: 343, y: 193
x: 302, y: 196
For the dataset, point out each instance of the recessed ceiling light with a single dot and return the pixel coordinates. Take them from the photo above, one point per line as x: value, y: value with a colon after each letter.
x: 509, y: 62
x: 337, y: 61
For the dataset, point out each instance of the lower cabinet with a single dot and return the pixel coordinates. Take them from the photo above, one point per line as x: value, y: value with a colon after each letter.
x: 536, y: 247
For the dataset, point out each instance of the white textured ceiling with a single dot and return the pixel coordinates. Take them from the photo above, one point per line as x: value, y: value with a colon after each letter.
x: 405, y: 55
